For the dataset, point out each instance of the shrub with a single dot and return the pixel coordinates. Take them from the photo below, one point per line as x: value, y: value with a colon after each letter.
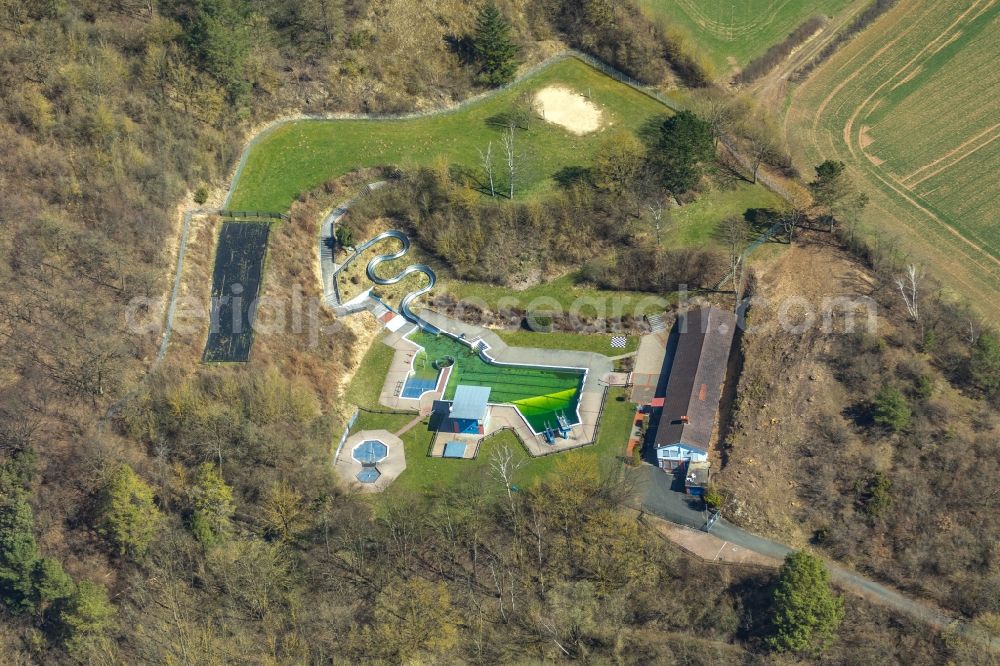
x: 873, y: 494
x: 924, y: 387
x: 344, y: 236
x: 890, y: 409
x: 201, y: 195
x: 770, y: 59
x: 860, y: 22
x: 539, y: 322
x: 714, y: 499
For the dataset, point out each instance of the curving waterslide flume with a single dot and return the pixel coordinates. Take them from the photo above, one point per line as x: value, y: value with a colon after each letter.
x: 373, y: 264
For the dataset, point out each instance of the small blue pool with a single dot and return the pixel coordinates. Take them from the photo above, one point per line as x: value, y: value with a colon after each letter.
x: 415, y: 387
x: 368, y: 475
x: 454, y: 450
x: 370, y: 451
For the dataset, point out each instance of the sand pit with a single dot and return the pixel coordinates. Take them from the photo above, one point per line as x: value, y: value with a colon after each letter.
x: 561, y: 106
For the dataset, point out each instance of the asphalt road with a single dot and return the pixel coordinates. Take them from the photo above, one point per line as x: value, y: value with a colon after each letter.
x: 654, y: 494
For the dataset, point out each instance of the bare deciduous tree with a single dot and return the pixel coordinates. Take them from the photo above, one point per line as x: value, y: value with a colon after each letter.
x: 973, y: 333
x: 762, y: 144
x: 791, y: 220
x: 503, y: 466
x: 511, y: 156
x: 656, y: 211
x: 736, y: 233
x: 486, y: 161
x: 909, y: 289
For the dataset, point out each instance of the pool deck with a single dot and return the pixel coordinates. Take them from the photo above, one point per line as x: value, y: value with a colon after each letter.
x: 347, y: 467
x: 648, y: 367
x: 600, y: 373
x: 471, y: 444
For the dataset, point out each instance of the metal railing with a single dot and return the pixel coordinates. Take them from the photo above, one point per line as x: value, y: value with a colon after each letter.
x: 256, y: 214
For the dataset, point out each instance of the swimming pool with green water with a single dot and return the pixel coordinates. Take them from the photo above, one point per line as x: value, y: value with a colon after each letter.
x: 540, y: 394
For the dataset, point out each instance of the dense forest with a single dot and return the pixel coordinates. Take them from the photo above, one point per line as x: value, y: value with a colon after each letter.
x: 188, y: 515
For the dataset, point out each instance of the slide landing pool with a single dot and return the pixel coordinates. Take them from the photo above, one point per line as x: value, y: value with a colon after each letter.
x: 540, y: 394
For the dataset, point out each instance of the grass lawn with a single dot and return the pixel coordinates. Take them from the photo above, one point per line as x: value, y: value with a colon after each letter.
x: 390, y: 422
x: 573, y: 341
x: 299, y: 156
x: 425, y: 475
x: 364, y: 389
x: 695, y: 224
x: 725, y: 29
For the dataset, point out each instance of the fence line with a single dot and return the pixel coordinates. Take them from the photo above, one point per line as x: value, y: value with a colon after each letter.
x: 347, y: 431
x: 264, y: 214
x: 616, y: 74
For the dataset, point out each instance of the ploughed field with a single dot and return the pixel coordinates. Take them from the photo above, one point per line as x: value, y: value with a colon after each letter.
x: 912, y: 105
x: 733, y: 33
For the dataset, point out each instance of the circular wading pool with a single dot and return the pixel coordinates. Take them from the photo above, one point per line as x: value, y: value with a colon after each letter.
x: 444, y: 362
x: 370, y: 451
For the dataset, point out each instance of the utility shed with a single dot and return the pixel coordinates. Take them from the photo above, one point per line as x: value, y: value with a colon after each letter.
x: 468, y: 409
x: 697, y: 477
x: 694, y: 388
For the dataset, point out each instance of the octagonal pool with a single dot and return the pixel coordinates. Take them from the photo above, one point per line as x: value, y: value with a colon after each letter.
x: 370, y: 451
x: 368, y: 475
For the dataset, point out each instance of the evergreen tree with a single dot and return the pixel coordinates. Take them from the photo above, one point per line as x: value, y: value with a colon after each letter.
x: 890, y: 409
x: 493, y: 47
x: 806, y: 612
x: 50, y: 583
x: 18, y: 552
x: 85, y: 615
x: 984, y: 363
x: 129, y: 518
x: 220, y: 35
x: 685, y: 145
x: 835, y: 193
x: 213, y: 506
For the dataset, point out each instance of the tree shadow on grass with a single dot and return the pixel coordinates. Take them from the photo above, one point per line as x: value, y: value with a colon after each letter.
x: 650, y: 130
x: 761, y: 219
x: 569, y: 176
x: 860, y: 414
x: 472, y: 178
x: 753, y: 598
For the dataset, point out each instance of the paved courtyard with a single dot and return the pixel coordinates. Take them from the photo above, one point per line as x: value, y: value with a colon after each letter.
x: 348, y: 467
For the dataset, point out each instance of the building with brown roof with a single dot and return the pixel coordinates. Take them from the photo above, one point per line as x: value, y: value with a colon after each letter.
x: 694, y: 387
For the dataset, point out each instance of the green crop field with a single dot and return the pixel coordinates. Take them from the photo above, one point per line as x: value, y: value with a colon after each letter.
x: 912, y: 104
x: 299, y: 156
x: 733, y: 33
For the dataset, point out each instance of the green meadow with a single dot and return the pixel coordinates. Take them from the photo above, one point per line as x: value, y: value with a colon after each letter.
x: 301, y: 155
